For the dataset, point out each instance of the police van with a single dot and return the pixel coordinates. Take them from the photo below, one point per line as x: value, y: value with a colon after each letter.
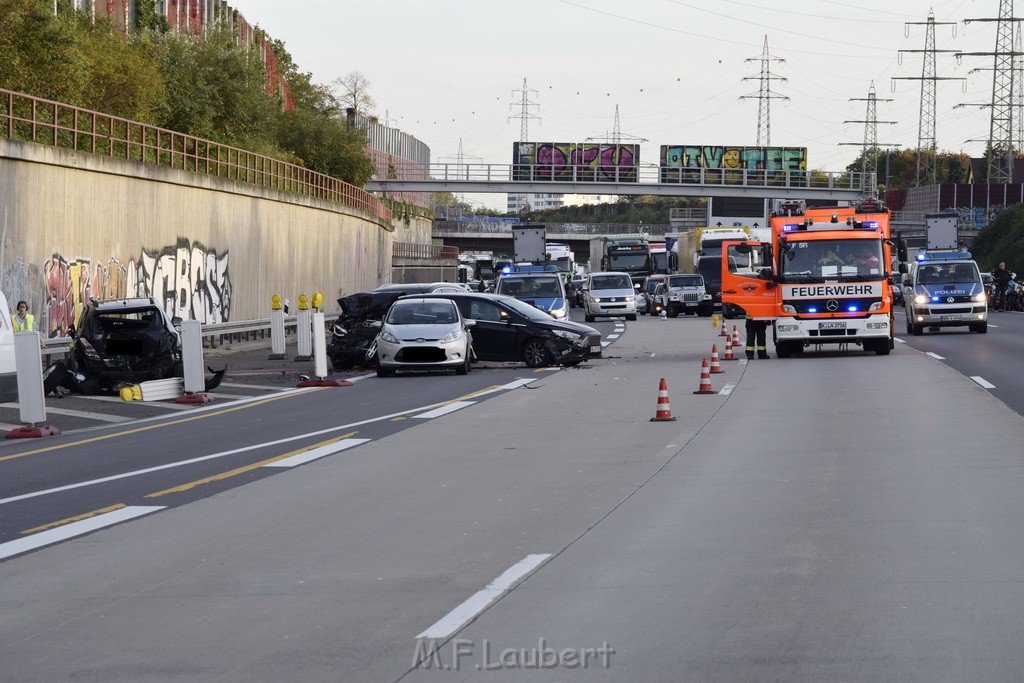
x: 540, y: 286
x: 944, y: 289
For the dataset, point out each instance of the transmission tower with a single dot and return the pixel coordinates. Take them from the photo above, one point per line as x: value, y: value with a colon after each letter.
x: 927, y: 150
x: 1000, y: 135
x: 461, y: 171
x: 616, y: 136
x: 524, y: 117
x: 869, y: 157
x: 764, y: 95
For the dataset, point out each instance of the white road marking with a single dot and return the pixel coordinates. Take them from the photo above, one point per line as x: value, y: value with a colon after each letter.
x: 243, y: 449
x: 727, y: 389
x: 444, y: 410
x: 613, y: 336
x: 62, y: 533
x: 239, y: 385
x: 317, y: 453
x: 8, y: 427
x: 899, y: 340
x: 149, y: 404
x: 606, y: 343
x: 102, y: 417
x: 935, y: 356
x: 481, y: 600
x: 984, y: 384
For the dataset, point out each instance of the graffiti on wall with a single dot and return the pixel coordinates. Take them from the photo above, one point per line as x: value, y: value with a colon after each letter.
x: 575, y: 161
x: 723, y: 163
x: 189, y: 280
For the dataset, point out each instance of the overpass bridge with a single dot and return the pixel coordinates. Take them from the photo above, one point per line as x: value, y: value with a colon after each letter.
x: 812, y: 186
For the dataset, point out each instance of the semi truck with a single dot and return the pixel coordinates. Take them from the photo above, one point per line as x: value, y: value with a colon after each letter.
x: 622, y: 253
x: 823, y: 278
x: 562, y: 257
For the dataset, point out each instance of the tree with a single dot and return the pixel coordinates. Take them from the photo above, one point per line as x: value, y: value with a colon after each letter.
x: 354, y: 89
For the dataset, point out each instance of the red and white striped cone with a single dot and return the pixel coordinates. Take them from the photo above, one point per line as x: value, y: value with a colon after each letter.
x: 705, y: 379
x: 735, y: 337
x: 664, y: 412
x: 715, y: 367
x: 728, y: 350
x: 725, y: 329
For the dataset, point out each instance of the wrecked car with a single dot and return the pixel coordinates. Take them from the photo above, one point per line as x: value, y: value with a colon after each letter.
x: 510, y: 330
x: 355, y: 328
x: 117, y: 343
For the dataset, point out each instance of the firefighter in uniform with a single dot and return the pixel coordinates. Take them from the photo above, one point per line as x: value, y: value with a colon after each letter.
x: 756, y: 333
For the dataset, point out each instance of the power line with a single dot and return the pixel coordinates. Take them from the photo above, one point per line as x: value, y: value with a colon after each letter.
x: 870, y: 122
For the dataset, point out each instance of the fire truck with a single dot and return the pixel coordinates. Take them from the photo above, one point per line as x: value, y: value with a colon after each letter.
x: 824, y: 277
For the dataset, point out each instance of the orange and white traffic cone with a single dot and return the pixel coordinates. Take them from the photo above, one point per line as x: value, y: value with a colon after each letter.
x: 735, y: 337
x: 715, y: 367
x: 725, y: 329
x: 705, y: 379
x: 728, y: 350
x: 664, y: 412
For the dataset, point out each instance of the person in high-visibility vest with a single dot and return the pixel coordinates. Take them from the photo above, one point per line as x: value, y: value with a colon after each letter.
x: 756, y: 333
x: 23, y: 320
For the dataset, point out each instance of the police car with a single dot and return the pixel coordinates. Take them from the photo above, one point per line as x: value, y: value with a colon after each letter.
x: 944, y: 289
x: 539, y: 286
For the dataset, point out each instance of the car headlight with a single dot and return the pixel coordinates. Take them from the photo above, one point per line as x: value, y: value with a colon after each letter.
x: 558, y: 313
x: 789, y: 308
x: 597, y: 299
x: 920, y: 299
x: 567, y: 335
x: 980, y: 297
x: 389, y: 338
x: 875, y: 306
x: 452, y: 336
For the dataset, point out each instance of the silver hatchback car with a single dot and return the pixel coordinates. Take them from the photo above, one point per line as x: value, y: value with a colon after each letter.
x: 423, y: 334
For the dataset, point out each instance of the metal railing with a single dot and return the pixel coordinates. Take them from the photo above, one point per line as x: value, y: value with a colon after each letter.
x: 32, y: 119
x: 423, y: 251
x: 656, y: 175
x: 214, y: 334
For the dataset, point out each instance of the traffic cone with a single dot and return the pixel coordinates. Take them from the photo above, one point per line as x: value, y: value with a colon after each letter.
x: 715, y: 367
x: 725, y: 329
x: 728, y: 350
x: 735, y: 337
x: 705, y: 379
x: 664, y: 412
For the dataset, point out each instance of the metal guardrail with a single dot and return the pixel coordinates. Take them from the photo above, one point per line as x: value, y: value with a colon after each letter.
x: 32, y: 119
x: 214, y: 334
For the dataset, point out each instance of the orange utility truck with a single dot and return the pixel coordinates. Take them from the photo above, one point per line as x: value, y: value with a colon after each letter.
x: 823, y: 278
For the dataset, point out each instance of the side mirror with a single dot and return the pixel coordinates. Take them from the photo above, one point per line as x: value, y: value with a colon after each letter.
x: 469, y: 323
x: 902, y: 267
x: 176, y: 321
x: 375, y: 324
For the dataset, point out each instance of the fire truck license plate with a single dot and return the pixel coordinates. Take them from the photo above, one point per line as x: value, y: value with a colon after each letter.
x: 832, y: 326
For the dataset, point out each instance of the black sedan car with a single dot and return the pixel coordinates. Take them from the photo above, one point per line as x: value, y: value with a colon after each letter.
x: 507, y: 329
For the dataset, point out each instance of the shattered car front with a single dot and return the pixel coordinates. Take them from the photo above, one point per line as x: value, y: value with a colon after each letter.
x: 354, y: 330
x: 124, y: 341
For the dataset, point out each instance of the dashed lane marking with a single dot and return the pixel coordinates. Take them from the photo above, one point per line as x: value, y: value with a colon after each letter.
x: 983, y: 383
x: 935, y: 356
x: 63, y: 533
x: 481, y: 600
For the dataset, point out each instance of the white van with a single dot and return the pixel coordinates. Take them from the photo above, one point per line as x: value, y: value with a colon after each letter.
x: 8, y: 369
x: 609, y: 294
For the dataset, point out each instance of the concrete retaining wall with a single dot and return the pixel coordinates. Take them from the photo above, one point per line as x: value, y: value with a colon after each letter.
x: 75, y: 226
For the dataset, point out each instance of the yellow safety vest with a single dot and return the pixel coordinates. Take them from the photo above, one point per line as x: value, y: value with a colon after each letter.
x: 28, y: 326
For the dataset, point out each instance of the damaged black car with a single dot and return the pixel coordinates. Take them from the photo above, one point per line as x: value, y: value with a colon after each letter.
x: 354, y: 330
x: 117, y: 343
x: 507, y: 330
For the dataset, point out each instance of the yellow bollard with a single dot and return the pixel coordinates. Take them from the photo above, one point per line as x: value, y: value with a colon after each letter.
x: 714, y: 320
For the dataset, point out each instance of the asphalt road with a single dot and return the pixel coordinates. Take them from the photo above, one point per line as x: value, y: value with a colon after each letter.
x: 788, y: 526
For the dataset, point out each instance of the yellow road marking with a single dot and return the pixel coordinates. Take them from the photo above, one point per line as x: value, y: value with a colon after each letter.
x: 76, y: 518
x: 147, y: 428
x: 247, y: 468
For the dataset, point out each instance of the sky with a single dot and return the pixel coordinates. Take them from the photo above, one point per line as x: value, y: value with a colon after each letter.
x: 451, y: 72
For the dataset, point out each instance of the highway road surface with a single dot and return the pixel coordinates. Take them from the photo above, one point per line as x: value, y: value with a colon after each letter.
x: 834, y: 516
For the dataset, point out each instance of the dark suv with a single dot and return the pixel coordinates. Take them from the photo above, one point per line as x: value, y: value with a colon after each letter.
x: 123, y: 341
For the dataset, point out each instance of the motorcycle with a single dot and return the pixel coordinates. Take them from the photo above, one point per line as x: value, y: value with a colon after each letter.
x: 1014, y: 296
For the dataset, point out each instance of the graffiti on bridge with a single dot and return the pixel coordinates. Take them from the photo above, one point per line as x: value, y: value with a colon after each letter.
x: 189, y: 280
x: 575, y: 161
x: 727, y: 164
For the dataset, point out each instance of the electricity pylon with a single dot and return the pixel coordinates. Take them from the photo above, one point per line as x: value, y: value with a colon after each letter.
x: 870, y: 143
x: 764, y: 95
x: 927, y: 149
